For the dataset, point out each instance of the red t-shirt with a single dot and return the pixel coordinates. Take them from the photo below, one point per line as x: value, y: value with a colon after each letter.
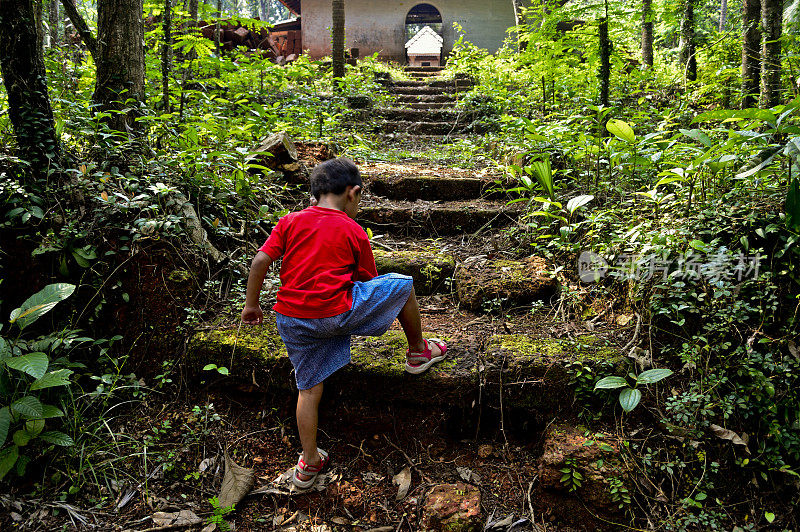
x: 324, y: 252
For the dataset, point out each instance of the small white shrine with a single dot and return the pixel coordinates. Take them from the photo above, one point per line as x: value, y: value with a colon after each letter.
x: 425, y: 48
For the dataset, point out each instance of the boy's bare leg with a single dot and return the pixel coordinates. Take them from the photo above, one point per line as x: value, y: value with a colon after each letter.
x: 307, y: 418
x: 412, y: 325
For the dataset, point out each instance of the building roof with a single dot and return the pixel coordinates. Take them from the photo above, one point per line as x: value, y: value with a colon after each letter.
x: 292, y: 5
x: 426, y: 41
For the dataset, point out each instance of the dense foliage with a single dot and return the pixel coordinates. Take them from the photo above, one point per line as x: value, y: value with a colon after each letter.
x: 693, y: 205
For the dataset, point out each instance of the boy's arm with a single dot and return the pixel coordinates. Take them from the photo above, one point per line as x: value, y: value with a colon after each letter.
x: 252, y: 313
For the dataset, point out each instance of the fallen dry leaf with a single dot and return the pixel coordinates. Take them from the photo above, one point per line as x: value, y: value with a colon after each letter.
x: 176, y: 519
x: 237, y: 482
x: 403, y: 481
x: 726, y: 434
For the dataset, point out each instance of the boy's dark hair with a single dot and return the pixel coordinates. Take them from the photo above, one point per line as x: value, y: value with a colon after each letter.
x: 334, y: 176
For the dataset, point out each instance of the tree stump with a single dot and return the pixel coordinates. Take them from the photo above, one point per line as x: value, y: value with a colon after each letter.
x: 276, y: 151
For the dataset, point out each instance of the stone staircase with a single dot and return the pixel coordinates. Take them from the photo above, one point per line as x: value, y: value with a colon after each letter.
x: 440, y: 225
x: 507, y: 370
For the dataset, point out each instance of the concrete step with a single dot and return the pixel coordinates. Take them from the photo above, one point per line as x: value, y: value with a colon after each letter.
x: 530, y: 368
x: 435, y: 69
x: 413, y: 188
x: 433, y: 218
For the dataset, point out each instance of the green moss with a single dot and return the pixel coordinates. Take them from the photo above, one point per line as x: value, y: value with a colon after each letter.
x: 587, y: 347
x: 179, y: 276
x: 429, y: 268
x: 387, y: 354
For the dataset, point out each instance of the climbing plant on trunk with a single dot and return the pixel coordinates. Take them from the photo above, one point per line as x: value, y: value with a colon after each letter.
x: 647, y: 32
x: 120, y: 61
x: 751, y: 45
x: 337, y: 45
x: 22, y: 66
x: 687, y: 46
x: 771, y: 26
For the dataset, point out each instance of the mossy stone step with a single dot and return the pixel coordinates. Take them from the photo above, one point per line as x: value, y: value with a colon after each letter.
x: 491, y: 285
x: 428, y: 187
x: 531, y: 370
x: 421, y: 91
x: 430, y: 269
x: 425, y: 98
x: 430, y: 128
x: 435, y: 69
x: 428, y: 218
x: 423, y: 115
x: 430, y: 105
x: 434, y: 83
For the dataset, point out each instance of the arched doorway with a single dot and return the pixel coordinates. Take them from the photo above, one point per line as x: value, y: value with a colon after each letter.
x: 422, y: 15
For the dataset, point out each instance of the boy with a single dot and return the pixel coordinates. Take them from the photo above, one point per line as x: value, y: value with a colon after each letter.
x: 330, y: 290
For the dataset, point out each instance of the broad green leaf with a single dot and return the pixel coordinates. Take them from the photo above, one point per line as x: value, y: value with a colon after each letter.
x: 667, y: 180
x: 34, y: 364
x: 621, y: 129
x: 34, y: 426
x: 21, y: 438
x: 629, y: 398
x: 40, y: 303
x: 609, y: 383
x: 8, y: 457
x: 653, y: 375
x: 577, y: 202
x: 699, y: 245
x: 56, y: 438
x: 717, y: 114
x: 54, y: 378
x: 5, y: 349
x: 792, y: 206
x: 698, y: 135
x: 28, y: 407
x: 5, y: 423
x: 50, y: 411
x: 544, y: 175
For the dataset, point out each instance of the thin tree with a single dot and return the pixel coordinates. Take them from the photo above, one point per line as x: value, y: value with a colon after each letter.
x: 751, y: 46
x: 22, y: 67
x: 337, y: 48
x: 771, y: 27
x: 120, y: 61
x: 166, y: 54
x: 80, y: 26
x: 687, y: 45
x: 52, y: 21
x: 605, y: 58
x: 647, y: 32
x: 723, y: 15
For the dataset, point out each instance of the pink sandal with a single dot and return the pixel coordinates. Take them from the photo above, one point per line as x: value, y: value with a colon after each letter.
x: 417, y: 363
x: 308, y: 470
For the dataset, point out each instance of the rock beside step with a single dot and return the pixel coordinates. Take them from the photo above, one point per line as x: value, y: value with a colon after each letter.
x: 428, y: 218
x: 501, y: 284
x: 430, y: 270
x: 452, y: 508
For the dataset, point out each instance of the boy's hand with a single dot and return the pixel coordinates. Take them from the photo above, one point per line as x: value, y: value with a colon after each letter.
x: 252, y: 315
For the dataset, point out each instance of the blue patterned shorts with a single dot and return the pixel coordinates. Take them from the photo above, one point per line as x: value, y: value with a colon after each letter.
x: 318, y: 347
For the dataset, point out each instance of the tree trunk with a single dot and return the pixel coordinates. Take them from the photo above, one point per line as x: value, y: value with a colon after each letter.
x: 266, y: 11
x: 337, y: 48
x: 723, y: 15
x: 81, y: 27
x: 22, y: 66
x: 53, y: 18
x: 771, y: 26
x: 605, y: 58
x: 751, y: 45
x: 218, y: 30
x: 39, y: 11
x: 647, y: 32
x: 166, y: 54
x: 687, y: 45
x: 120, y: 60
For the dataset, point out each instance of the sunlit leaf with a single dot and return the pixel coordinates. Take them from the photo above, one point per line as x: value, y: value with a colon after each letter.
x: 621, y: 129
x: 40, y: 303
